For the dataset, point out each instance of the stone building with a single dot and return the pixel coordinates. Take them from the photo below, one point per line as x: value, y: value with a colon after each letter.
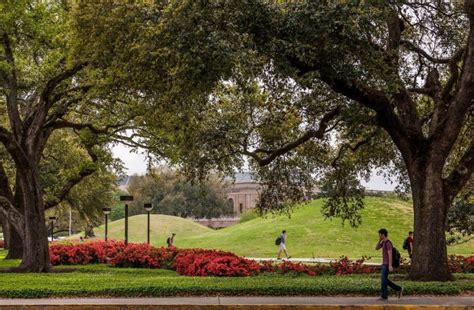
x: 243, y: 193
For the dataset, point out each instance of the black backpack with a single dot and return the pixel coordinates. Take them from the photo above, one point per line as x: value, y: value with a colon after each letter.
x: 395, y: 258
x: 168, y: 241
x: 278, y: 241
x: 405, y: 244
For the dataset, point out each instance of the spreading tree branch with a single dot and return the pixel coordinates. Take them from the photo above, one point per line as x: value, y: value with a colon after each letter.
x: 292, y: 145
x: 12, y: 86
x: 354, y: 147
x: 461, y: 174
x: 13, y: 216
x: 73, y: 181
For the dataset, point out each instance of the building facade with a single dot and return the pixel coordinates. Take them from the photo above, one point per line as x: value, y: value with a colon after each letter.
x: 243, y: 193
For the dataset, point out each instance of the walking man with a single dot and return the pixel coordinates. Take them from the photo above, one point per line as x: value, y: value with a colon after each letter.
x: 282, y: 245
x: 387, y: 248
x: 408, y: 244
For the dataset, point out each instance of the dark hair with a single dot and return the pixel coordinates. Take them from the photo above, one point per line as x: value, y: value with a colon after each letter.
x: 283, y: 231
x: 384, y: 232
x: 410, y: 233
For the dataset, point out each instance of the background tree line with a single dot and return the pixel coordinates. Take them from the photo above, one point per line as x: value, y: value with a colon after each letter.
x: 171, y: 193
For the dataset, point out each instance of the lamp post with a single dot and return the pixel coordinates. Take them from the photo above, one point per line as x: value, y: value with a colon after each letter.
x: 148, y: 208
x: 126, y: 200
x: 52, y: 219
x: 106, y: 212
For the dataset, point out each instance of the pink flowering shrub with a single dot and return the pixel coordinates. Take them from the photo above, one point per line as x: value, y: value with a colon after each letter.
x: 83, y: 253
x: 296, y: 268
x: 345, y: 266
x: 141, y: 256
x: 199, y: 262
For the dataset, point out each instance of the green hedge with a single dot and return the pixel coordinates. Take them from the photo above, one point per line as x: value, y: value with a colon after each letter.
x: 101, y: 280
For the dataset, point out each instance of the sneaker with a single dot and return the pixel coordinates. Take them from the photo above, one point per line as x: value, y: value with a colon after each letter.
x: 400, y: 293
x: 279, y: 258
x: 381, y: 299
x: 288, y: 257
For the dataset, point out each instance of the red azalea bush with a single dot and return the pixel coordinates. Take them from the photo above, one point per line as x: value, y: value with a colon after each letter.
x: 469, y: 264
x: 457, y: 263
x: 142, y: 256
x: 199, y: 262
x: 2, y: 244
x: 83, y: 253
x: 345, y: 266
x: 296, y: 268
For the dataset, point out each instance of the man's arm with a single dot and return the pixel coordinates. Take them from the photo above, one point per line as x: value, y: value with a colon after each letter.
x: 379, y: 245
x: 390, y: 268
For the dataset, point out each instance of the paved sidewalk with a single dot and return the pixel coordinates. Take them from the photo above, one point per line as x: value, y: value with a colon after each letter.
x: 319, y: 260
x: 281, y: 300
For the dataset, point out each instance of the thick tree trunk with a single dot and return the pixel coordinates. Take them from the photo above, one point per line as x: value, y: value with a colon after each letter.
x: 6, y: 232
x: 35, y: 256
x: 15, y: 245
x: 430, y: 261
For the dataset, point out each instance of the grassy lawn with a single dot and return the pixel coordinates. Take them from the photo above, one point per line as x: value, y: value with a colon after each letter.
x: 101, y: 280
x: 308, y: 232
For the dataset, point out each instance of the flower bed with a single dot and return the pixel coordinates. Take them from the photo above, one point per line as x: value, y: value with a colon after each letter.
x: 199, y: 262
x: 345, y: 266
x: 83, y: 253
x: 142, y: 256
x: 461, y: 263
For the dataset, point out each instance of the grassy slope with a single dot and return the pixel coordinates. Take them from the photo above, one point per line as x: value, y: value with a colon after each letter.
x: 308, y: 232
x: 161, y: 227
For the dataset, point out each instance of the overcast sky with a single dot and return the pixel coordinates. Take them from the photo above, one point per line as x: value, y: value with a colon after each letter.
x: 136, y: 163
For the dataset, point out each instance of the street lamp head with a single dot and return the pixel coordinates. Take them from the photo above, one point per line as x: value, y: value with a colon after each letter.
x: 106, y: 210
x: 148, y: 207
x: 126, y: 198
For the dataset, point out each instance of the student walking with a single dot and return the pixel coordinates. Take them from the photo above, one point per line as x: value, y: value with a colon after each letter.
x: 408, y: 244
x: 170, y: 240
x: 387, y: 266
x: 281, y: 242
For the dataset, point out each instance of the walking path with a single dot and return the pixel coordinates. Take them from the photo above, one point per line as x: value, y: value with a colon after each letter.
x: 316, y: 260
x: 465, y: 302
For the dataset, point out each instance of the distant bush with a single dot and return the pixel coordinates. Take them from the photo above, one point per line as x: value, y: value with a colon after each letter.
x: 248, y: 216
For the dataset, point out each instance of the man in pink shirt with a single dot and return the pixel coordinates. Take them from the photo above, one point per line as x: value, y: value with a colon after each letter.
x: 387, y: 248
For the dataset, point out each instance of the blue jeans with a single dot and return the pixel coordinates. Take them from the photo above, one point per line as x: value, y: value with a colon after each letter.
x: 386, y: 282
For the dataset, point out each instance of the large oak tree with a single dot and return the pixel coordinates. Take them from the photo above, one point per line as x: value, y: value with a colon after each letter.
x: 277, y: 81
x: 45, y: 89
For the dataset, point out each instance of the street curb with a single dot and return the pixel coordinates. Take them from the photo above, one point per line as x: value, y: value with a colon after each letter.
x: 237, y: 307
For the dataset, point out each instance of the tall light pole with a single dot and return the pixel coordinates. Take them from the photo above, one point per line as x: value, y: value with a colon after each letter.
x: 126, y: 199
x: 106, y: 212
x: 148, y: 208
x: 52, y: 219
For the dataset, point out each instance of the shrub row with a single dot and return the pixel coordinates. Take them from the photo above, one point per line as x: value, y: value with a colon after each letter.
x: 201, y: 262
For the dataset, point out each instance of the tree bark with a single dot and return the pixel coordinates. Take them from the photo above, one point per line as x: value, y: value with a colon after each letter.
x: 430, y: 258
x: 6, y: 232
x: 15, y: 245
x: 35, y: 256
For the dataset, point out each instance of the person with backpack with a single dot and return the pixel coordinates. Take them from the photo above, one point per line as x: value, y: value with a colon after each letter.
x: 170, y: 240
x: 391, y: 258
x: 408, y: 244
x: 281, y: 242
